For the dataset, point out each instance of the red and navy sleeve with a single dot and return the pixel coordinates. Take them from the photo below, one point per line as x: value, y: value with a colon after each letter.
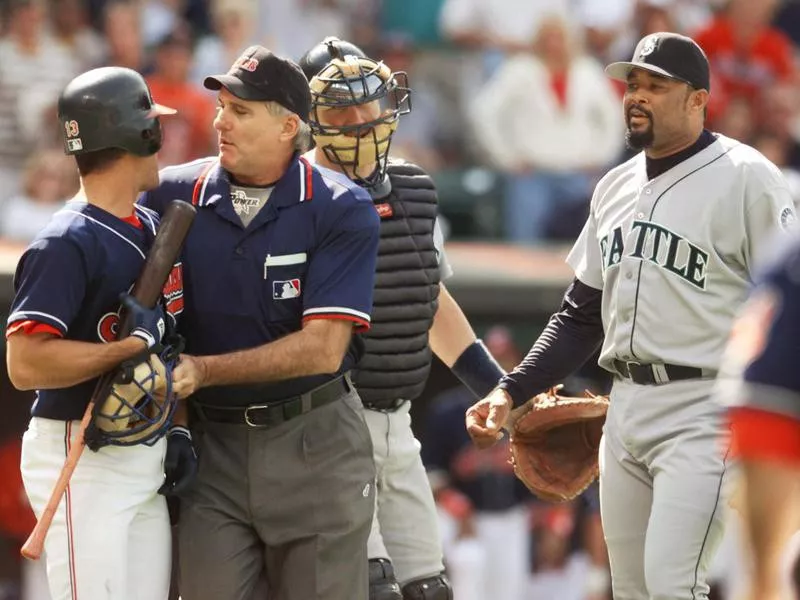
x: 50, y: 283
x: 341, y: 273
x: 764, y: 402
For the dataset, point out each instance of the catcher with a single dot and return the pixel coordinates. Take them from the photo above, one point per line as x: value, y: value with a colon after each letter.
x: 110, y: 537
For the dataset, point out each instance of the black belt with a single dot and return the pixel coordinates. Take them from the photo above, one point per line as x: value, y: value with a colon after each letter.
x: 384, y: 405
x: 274, y: 413
x: 653, y: 374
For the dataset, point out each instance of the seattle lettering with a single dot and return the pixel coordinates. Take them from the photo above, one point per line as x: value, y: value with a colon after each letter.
x: 660, y: 246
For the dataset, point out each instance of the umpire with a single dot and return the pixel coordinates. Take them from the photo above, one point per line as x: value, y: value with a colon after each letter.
x: 357, y: 103
x: 280, y: 262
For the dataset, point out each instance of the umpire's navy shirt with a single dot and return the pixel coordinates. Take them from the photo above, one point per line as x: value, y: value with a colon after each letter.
x: 309, y: 253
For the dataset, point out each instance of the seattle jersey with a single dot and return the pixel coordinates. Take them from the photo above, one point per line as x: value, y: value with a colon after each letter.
x: 70, y: 278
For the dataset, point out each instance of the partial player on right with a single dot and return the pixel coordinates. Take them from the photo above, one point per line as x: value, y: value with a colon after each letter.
x: 761, y: 387
x: 661, y: 267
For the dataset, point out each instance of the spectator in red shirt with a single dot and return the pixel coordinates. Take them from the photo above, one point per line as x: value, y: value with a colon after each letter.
x: 746, y: 53
x: 189, y: 136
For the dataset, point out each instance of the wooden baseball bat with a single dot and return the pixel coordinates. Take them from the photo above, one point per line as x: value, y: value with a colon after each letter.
x: 159, y: 262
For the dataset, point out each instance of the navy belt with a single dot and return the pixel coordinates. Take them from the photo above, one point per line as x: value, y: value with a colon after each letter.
x: 272, y: 414
x: 656, y: 373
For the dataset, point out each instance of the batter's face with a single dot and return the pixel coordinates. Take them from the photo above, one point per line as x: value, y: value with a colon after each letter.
x: 149, y: 172
x: 660, y: 112
x: 248, y: 135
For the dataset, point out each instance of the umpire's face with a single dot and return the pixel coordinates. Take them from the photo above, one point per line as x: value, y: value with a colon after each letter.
x: 660, y: 112
x: 251, y: 137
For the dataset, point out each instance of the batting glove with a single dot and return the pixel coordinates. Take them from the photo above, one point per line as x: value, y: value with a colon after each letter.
x: 180, y: 463
x: 147, y: 324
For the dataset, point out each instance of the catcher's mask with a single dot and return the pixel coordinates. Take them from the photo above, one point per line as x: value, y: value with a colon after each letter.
x: 356, y: 138
x: 139, y: 406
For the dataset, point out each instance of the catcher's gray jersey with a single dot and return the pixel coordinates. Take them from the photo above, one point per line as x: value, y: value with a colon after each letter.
x: 673, y: 255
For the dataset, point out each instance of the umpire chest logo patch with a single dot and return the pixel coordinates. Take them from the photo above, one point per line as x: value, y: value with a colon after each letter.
x: 286, y: 290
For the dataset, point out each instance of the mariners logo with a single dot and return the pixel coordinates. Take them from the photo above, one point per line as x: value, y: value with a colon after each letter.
x: 648, y: 47
x: 787, y: 218
x: 286, y: 290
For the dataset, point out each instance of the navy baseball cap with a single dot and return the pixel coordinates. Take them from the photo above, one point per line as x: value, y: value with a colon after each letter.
x: 260, y: 75
x: 669, y: 54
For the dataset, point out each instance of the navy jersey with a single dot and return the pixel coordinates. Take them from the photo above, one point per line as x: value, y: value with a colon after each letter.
x: 70, y: 278
x: 766, y: 339
x: 309, y: 253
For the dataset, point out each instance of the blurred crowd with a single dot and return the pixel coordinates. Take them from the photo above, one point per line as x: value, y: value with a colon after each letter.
x: 510, y: 108
x: 512, y: 112
x: 511, y: 90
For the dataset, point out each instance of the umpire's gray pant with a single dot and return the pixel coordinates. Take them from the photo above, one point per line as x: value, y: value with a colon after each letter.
x: 286, y: 509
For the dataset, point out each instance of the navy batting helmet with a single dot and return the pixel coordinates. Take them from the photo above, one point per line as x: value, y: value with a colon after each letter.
x: 110, y: 107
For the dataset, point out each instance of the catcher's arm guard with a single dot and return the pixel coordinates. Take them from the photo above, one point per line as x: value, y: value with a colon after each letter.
x: 555, y: 441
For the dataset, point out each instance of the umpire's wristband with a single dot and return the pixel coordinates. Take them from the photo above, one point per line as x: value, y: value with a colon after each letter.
x: 477, y: 369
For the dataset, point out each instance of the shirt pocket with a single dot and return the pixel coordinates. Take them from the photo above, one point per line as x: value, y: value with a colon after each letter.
x: 285, y: 279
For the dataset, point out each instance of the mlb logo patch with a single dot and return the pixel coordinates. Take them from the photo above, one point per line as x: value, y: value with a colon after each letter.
x: 75, y: 145
x: 285, y: 290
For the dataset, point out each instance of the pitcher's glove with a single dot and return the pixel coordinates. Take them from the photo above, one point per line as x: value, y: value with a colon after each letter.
x: 554, y: 443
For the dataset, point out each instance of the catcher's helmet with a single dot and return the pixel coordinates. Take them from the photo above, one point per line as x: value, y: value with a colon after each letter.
x: 110, y: 107
x: 350, y: 78
x: 320, y: 55
x: 139, y: 405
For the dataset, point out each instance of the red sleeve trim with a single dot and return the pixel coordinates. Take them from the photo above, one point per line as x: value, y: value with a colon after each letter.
x: 361, y: 324
x: 29, y: 327
x: 763, y: 435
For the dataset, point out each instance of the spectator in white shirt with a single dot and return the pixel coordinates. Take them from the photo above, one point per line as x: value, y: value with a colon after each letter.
x: 551, y: 121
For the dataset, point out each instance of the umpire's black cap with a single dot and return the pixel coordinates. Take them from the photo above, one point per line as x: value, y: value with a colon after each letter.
x: 669, y: 54
x: 260, y: 75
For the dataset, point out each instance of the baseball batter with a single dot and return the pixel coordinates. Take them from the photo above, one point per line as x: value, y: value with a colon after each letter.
x: 110, y: 537
x: 661, y: 266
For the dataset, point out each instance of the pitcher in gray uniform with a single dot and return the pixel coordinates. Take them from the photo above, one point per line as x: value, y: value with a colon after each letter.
x: 357, y: 103
x: 661, y: 267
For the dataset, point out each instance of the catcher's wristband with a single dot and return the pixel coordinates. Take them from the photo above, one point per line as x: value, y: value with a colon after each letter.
x: 477, y: 369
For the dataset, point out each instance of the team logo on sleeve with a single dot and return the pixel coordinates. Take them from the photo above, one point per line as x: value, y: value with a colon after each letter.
x: 108, y: 327
x: 787, y: 218
x: 286, y: 290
